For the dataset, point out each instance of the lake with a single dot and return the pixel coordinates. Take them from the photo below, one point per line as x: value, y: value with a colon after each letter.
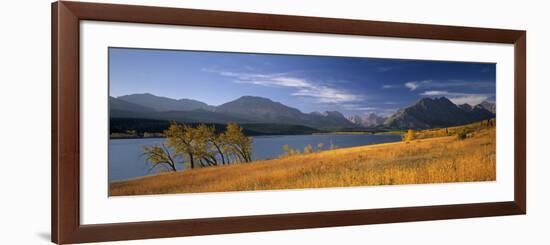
x: 126, y: 160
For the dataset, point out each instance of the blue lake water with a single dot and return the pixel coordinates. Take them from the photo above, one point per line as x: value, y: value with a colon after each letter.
x: 126, y: 160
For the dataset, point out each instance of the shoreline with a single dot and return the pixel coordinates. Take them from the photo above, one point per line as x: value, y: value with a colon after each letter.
x: 272, y: 135
x: 258, y: 161
x: 419, y: 161
x: 267, y: 159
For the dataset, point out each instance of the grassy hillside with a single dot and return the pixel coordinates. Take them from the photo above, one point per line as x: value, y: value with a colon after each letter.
x: 428, y: 160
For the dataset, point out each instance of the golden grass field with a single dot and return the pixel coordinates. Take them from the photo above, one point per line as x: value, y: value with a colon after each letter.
x: 428, y: 160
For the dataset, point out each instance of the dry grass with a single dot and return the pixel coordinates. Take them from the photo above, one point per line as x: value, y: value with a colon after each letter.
x: 433, y: 160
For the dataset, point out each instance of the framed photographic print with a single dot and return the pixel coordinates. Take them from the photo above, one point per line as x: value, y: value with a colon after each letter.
x: 232, y: 122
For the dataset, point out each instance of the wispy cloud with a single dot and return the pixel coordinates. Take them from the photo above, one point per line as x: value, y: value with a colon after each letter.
x: 388, y: 86
x: 472, y: 99
x: 414, y: 84
x: 435, y: 93
x: 325, y: 94
x: 384, y: 69
x: 390, y: 103
x: 385, y: 112
x: 366, y: 110
x: 459, y: 98
x: 303, y: 87
x: 433, y: 84
x: 441, y: 88
x: 355, y: 107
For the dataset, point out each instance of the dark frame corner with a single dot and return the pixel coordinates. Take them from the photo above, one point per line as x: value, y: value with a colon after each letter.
x: 66, y: 227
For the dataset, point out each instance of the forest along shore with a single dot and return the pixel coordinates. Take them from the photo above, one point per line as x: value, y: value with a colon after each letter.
x: 457, y: 154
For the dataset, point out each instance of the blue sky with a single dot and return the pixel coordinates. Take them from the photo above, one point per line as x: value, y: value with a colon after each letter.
x: 353, y: 86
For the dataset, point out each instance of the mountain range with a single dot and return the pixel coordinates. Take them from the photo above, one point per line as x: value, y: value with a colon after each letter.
x: 159, y: 103
x: 369, y: 121
x: 257, y: 111
x: 437, y: 112
x: 244, y: 110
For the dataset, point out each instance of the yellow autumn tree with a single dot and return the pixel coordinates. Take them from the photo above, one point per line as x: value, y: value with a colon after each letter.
x: 183, y: 139
x: 237, y: 143
x: 160, y: 156
x: 409, y: 136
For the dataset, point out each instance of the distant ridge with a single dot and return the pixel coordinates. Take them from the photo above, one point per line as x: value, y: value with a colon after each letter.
x: 246, y: 109
x: 465, y: 107
x: 369, y: 121
x: 436, y: 112
x: 424, y: 113
x: 159, y: 103
x: 121, y: 105
x: 489, y: 106
x: 267, y: 111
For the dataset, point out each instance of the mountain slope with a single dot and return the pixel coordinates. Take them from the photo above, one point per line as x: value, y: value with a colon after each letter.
x: 369, y: 121
x: 373, y: 120
x: 465, y: 107
x: 479, y: 113
x: 246, y: 109
x: 267, y: 111
x: 331, y: 120
x: 165, y: 104
x: 489, y: 106
x: 425, y: 113
x: 121, y: 105
x: 260, y: 109
x: 435, y: 112
x: 355, y: 119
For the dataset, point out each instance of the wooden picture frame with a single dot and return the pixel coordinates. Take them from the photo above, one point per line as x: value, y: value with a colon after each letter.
x: 66, y: 226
